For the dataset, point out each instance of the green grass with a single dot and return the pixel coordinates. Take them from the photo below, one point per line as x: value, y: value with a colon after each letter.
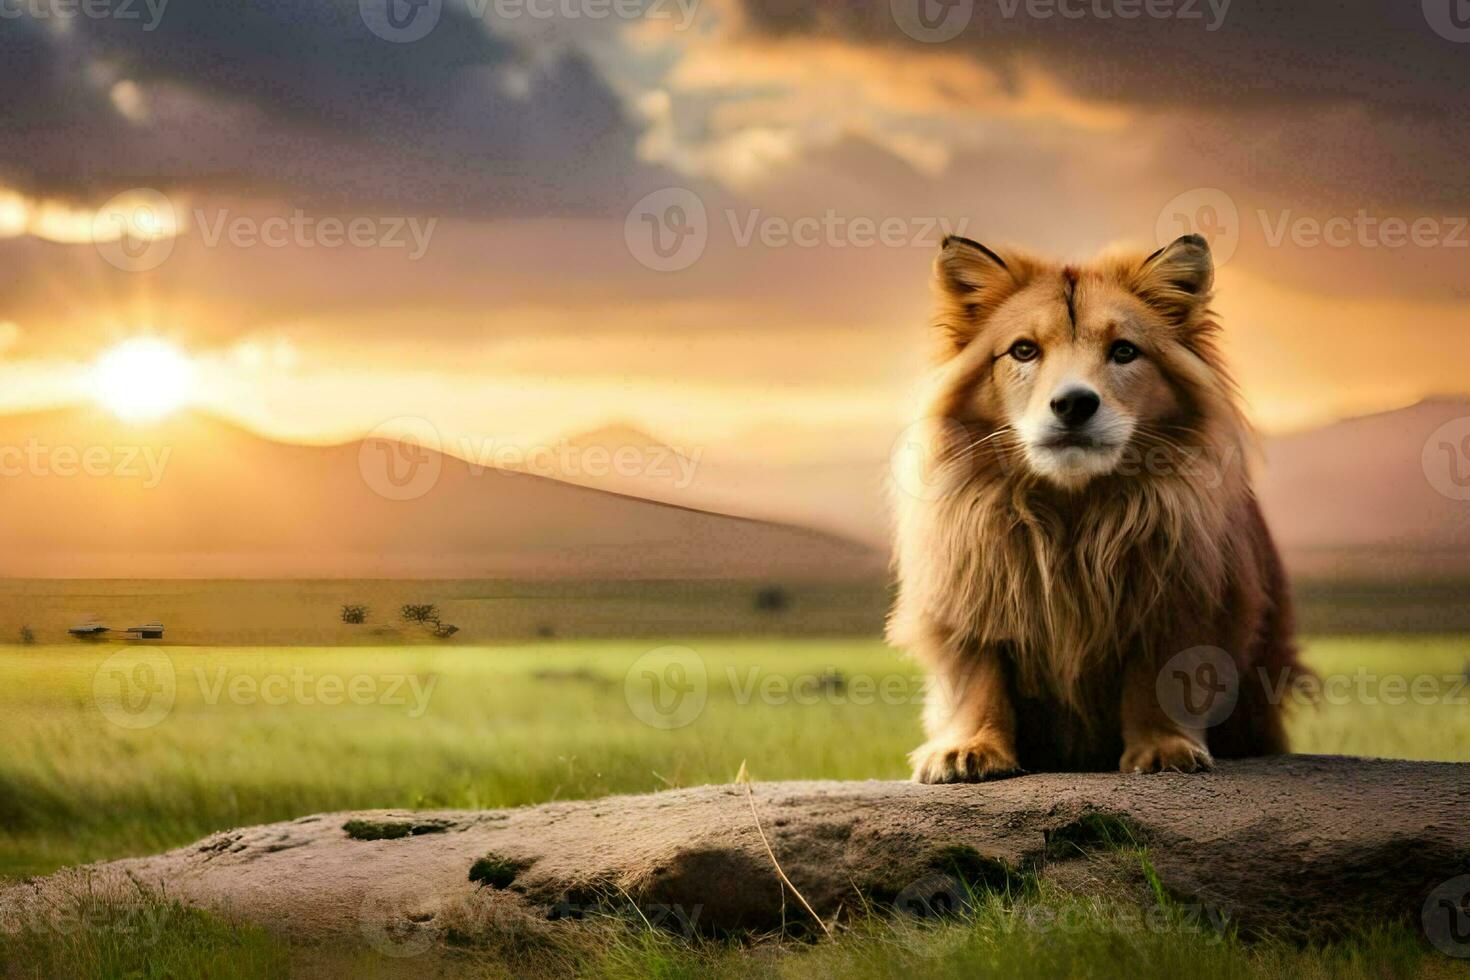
x: 505, y: 726
x: 1038, y: 932
x: 156, y: 940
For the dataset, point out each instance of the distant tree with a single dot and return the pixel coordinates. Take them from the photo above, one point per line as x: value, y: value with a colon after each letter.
x: 546, y: 631
x: 354, y: 614
x: 772, y: 599
x: 27, y: 636
x: 420, y: 613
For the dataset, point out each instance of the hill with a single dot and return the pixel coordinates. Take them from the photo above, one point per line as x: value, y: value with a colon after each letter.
x: 83, y: 495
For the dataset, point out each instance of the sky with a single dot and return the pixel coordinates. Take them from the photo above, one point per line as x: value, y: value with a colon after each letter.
x: 709, y: 219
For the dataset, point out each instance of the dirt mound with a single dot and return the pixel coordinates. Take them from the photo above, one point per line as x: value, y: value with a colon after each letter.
x: 1302, y: 844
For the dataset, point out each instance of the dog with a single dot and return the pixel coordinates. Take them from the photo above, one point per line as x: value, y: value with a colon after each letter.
x: 1081, y: 559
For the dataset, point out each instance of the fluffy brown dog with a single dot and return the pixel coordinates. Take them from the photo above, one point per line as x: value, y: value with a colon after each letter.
x: 1084, y: 569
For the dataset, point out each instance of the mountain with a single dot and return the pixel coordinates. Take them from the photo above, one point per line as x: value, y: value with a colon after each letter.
x: 842, y: 496
x: 1355, y: 499
x: 1374, y: 496
x: 83, y: 495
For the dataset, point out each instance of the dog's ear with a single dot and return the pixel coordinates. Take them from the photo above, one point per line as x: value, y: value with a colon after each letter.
x: 1177, y: 279
x: 970, y: 282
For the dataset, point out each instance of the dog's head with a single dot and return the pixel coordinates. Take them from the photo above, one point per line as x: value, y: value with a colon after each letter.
x: 1078, y: 368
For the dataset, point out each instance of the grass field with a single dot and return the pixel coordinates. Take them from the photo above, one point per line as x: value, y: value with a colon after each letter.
x: 112, y: 750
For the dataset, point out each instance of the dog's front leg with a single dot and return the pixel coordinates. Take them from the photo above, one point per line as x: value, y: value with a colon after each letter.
x: 969, y: 720
x: 1152, y: 741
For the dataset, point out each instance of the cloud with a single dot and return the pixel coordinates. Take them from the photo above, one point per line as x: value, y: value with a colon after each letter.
x: 299, y: 98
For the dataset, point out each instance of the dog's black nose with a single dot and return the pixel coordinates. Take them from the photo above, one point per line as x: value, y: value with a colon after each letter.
x: 1075, y: 406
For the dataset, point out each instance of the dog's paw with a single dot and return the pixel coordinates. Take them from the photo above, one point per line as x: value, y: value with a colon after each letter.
x: 1166, y: 752
x: 971, y: 760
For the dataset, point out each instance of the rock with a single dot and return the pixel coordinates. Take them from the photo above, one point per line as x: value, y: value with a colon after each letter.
x: 1306, y: 845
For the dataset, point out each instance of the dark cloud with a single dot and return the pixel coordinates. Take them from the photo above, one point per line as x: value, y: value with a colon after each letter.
x: 1261, y: 52
x: 301, y: 98
x: 1318, y: 102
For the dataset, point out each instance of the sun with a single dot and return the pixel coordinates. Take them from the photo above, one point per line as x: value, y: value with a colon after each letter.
x: 143, y: 379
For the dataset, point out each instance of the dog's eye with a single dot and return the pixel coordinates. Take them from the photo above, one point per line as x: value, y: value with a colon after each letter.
x: 1024, y: 350
x: 1122, y: 352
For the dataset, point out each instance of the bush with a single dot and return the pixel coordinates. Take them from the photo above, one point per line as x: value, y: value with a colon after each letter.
x: 354, y: 615
x: 772, y: 599
x: 420, y: 613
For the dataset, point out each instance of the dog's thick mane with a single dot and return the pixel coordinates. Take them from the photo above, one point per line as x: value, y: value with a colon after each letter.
x: 1069, y: 581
